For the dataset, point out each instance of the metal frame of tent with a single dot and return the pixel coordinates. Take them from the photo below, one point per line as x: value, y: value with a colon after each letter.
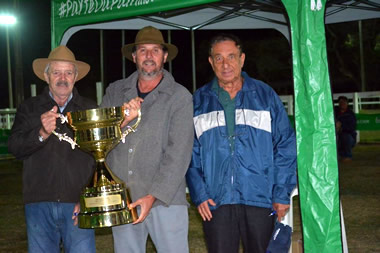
x: 220, y: 15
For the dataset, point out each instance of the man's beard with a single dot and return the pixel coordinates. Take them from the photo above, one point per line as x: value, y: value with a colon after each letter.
x: 152, y: 74
x: 62, y: 83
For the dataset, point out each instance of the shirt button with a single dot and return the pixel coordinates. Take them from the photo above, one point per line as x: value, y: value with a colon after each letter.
x: 130, y: 150
x: 130, y: 172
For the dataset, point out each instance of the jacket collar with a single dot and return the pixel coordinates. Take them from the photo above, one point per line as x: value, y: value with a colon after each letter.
x: 248, y: 84
x: 48, y: 101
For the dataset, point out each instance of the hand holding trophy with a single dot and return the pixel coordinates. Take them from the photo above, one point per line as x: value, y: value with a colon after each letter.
x: 104, y: 202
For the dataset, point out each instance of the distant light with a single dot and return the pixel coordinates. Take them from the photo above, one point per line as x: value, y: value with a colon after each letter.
x: 7, y: 20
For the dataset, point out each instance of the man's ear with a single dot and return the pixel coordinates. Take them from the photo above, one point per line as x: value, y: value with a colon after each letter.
x: 46, y: 78
x: 134, y: 57
x: 211, y: 62
x: 242, y: 59
x: 165, y: 56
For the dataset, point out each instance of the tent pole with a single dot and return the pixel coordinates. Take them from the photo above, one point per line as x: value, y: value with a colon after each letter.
x: 122, y: 57
x: 170, y: 42
x: 362, y: 71
x: 193, y: 60
x: 101, y: 58
x: 314, y: 122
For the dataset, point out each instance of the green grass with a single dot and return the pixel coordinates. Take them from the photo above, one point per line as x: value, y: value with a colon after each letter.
x: 369, y: 136
x: 359, y: 191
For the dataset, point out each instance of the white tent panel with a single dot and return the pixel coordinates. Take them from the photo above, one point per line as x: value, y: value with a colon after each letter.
x: 205, y: 19
x: 215, y: 17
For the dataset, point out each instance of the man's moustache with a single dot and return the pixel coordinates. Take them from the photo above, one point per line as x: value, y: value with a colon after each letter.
x: 63, y: 83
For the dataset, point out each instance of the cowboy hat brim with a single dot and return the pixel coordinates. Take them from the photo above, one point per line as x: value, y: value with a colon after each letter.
x: 127, y: 49
x: 40, y: 64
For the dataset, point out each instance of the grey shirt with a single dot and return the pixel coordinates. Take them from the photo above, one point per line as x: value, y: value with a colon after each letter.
x: 155, y: 158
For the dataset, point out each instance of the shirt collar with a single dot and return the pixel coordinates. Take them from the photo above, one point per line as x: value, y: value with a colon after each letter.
x: 62, y: 108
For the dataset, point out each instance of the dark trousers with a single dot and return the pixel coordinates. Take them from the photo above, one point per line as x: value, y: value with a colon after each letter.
x: 230, y: 223
x: 345, y: 144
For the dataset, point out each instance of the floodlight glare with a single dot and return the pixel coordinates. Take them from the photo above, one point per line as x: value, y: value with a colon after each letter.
x: 7, y: 19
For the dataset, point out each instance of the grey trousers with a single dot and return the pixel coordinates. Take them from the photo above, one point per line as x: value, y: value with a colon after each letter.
x: 167, y: 226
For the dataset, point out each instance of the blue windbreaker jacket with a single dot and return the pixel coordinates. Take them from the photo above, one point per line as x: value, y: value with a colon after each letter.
x: 261, y: 170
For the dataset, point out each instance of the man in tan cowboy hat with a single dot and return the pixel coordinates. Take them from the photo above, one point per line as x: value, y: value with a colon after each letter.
x: 54, y: 173
x: 154, y: 160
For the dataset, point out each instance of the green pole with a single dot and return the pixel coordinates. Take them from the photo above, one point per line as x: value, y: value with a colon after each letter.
x: 315, y: 128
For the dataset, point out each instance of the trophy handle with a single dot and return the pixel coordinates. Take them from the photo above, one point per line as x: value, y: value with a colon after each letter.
x: 131, y: 129
x: 64, y: 137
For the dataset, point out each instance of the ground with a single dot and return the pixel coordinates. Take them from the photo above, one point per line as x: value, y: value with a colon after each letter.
x: 359, y: 180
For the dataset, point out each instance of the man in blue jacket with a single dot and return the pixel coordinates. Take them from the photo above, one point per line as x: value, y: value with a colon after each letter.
x: 243, y: 165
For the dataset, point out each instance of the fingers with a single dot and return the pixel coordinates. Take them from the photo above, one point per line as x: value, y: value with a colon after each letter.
x: 280, y: 215
x: 204, y: 209
x: 48, y: 121
x: 75, y: 214
x: 54, y: 109
x: 145, y: 204
x: 132, y: 106
x: 211, y: 202
x: 281, y: 210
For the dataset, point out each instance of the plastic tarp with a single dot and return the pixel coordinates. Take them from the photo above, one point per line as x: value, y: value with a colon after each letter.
x: 70, y: 13
x: 71, y: 16
x: 315, y: 128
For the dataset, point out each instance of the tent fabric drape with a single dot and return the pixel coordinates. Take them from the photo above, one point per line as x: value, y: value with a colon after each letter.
x: 315, y: 129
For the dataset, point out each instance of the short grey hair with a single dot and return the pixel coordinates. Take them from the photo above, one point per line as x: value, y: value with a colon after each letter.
x: 225, y: 37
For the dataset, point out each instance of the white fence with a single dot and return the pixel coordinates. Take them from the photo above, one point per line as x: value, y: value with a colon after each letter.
x: 7, y: 117
x: 359, y: 101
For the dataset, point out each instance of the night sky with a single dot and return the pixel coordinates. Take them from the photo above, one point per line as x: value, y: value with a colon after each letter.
x: 33, y: 25
x: 34, y: 28
x: 268, y: 54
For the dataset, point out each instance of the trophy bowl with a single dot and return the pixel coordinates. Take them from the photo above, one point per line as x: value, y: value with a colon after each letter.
x: 104, y: 201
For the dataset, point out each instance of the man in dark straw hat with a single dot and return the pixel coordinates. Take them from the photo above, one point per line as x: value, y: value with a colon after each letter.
x: 54, y: 173
x: 154, y: 160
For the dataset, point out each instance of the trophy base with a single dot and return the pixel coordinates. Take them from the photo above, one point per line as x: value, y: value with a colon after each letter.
x: 105, y: 219
x: 105, y: 206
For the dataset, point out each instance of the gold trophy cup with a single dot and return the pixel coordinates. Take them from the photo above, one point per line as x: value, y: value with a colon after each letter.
x: 104, y: 202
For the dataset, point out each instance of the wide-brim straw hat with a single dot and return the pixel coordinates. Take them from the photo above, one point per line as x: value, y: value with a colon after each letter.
x: 60, y: 53
x: 149, y: 35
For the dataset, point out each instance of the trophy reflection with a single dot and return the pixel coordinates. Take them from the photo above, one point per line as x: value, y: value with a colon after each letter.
x: 104, y: 202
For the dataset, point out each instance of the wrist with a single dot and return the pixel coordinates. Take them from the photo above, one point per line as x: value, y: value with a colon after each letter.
x: 42, y: 135
x: 40, y: 138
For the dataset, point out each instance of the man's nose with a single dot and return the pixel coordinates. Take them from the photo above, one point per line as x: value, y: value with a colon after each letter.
x: 149, y: 54
x: 62, y: 76
x: 225, y: 62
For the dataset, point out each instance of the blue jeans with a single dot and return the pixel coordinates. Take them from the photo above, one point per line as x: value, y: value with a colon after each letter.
x: 345, y: 144
x: 49, y: 223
